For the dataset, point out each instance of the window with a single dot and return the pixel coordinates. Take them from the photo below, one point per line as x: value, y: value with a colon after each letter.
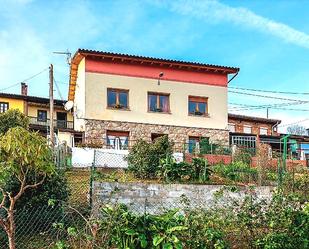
x: 158, y: 102
x: 247, y: 129
x: 232, y: 127
x: 118, y: 140
x: 198, y: 144
x: 117, y: 98
x: 198, y: 106
x: 4, y: 106
x: 157, y: 135
x: 42, y: 116
x: 263, y: 131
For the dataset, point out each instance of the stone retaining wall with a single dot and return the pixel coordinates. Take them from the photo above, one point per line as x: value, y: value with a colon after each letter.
x: 95, y: 132
x: 153, y: 198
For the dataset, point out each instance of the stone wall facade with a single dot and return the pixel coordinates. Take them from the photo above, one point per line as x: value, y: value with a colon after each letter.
x: 95, y: 132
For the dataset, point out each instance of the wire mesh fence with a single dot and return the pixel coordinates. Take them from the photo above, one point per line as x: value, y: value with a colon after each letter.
x: 45, y: 225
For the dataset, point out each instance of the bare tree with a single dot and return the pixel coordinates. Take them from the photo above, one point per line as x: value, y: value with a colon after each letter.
x: 297, y: 130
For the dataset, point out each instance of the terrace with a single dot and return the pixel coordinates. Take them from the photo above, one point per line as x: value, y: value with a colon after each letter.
x: 59, y: 124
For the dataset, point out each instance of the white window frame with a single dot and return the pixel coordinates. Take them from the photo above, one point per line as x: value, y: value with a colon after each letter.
x: 231, y: 125
x: 247, y: 127
x: 265, y: 129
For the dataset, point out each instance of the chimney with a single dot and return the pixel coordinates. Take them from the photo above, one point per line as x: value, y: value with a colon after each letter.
x: 24, y: 89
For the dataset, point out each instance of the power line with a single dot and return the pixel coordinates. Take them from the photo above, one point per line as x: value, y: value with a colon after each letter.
x: 276, y: 108
x: 268, y: 91
x: 297, y: 122
x: 243, y: 107
x: 266, y: 96
x: 27, y: 79
x: 58, y: 89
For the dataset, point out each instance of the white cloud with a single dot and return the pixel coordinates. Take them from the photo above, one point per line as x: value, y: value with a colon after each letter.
x: 214, y: 11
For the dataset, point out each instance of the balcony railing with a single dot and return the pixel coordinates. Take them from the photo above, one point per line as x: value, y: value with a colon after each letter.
x: 57, y: 123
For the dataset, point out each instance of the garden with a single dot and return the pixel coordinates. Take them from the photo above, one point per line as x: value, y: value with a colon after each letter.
x: 42, y: 206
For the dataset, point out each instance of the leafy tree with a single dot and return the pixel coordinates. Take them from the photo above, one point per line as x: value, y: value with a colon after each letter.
x: 21, y: 153
x: 12, y: 118
x: 297, y: 130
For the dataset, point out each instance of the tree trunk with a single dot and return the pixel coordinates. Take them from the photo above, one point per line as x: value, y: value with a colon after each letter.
x: 11, y: 237
x: 11, y: 228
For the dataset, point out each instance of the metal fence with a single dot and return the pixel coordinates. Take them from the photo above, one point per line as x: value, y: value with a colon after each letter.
x: 45, y: 225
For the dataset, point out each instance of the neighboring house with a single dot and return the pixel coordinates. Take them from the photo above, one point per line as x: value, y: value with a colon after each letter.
x: 247, y: 131
x: 37, y: 109
x: 120, y: 98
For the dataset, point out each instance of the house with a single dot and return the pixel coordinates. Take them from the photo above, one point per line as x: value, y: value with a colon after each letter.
x: 119, y: 98
x: 248, y: 131
x: 37, y: 109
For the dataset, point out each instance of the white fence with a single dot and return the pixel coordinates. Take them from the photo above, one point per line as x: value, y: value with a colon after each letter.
x: 110, y: 158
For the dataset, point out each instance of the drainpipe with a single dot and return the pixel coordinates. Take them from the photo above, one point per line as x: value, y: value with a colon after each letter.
x: 272, y: 128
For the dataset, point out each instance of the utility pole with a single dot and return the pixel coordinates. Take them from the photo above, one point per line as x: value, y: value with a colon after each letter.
x: 51, y: 104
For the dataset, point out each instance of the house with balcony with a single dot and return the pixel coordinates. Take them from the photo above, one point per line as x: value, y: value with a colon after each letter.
x: 247, y: 131
x: 37, y: 109
x: 120, y: 98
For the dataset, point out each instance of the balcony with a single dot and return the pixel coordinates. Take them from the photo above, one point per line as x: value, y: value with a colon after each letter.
x: 58, y: 124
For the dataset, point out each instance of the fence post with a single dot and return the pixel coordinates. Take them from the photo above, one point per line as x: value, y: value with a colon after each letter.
x: 91, y: 179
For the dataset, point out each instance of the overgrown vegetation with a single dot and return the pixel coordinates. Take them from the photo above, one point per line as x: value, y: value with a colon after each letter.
x: 282, y: 222
x: 237, y: 171
x: 197, y: 171
x: 12, y: 118
x: 144, y: 157
x: 21, y: 153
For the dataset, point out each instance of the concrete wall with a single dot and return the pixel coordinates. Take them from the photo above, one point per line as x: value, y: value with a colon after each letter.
x: 96, y: 101
x: 156, y: 197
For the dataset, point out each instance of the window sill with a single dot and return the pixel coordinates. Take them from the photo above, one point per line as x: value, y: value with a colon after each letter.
x: 199, y: 116
x: 159, y: 112
x: 117, y: 109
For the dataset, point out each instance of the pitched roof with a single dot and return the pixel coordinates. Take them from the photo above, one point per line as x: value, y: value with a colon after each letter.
x: 81, y: 53
x: 255, y: 119
x: 34, y: 99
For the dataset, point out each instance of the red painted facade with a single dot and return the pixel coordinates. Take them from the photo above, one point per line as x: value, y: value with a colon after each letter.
x: 152, y: 72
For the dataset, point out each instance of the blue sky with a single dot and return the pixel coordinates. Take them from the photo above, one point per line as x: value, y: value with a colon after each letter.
x: 268, y: 40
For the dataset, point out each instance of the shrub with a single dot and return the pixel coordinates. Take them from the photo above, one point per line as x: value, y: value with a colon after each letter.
x: 54, y: 187
x: 244, y: 155
x: 144, y: 158
x: 200, y: 171
x: 237, y: 171
x: 171, y: 171
x: 12, y: 118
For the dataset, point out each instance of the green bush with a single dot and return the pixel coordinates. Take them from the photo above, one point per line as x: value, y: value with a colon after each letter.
x: 237, y: 171
x: 171, y: 171
x: 12, y: 118
x: 144, y: 158
x: 54, y: 187
x: 244, y: 155
x: 200, y: 172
